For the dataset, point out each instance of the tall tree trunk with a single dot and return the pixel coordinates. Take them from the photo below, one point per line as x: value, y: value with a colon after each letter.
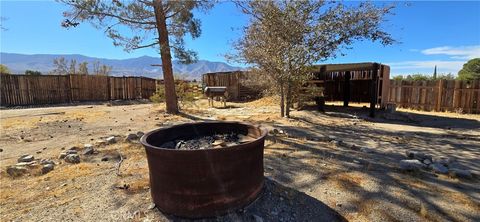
x: 170, y: 95
x: 282, y: 100
x: 289, y: 99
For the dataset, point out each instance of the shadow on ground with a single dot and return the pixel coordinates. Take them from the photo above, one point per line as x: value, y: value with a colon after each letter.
x: 83, y: 103
x: 401, y: 117
x: 279, y: 203
x: 371, y: 180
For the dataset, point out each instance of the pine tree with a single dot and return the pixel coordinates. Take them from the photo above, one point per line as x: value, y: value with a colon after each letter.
x: 145, y: 20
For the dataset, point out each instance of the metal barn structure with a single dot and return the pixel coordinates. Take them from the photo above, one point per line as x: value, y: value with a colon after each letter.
x: 232, y: 80
x: 354, y: 82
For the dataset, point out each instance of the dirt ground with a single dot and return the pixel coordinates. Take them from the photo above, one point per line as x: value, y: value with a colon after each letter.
x: 308, y: 178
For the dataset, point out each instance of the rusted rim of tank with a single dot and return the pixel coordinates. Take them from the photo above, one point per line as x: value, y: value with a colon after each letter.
x: 143, y: 139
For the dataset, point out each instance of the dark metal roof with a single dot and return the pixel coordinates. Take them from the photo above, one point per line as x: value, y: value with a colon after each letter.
x: 347, y: 66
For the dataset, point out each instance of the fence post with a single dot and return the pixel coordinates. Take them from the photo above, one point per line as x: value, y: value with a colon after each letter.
x: 373, y: 90
x: 109, y: 90
x: 456, y: 94
x: 438, y: 106
x: 69, y: 89
x: 346, y: 89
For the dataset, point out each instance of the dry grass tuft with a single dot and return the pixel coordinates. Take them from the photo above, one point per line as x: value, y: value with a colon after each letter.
x: 423, y: 211
x: 265, y: 101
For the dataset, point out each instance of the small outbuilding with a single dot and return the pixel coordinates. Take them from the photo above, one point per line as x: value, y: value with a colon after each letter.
x: 236, y: 90
x: 354, y: 82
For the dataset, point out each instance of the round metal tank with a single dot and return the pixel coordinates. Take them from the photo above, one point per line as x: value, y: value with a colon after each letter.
x: 206, y: 182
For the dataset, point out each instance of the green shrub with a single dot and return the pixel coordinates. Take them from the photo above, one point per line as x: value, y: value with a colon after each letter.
x: 159, y: 95
x: 185, y: 97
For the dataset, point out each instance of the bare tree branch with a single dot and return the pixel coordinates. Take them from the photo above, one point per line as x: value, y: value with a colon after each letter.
x: 146, y: 46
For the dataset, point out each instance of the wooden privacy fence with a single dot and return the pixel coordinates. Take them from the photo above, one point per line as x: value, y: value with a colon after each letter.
x: 18, y: 90
x: 234, y: 81
x: 184, y: 85
x: 438, y: 95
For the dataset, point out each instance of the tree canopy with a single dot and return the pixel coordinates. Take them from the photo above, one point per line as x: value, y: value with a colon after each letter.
x: 470, y: 70
x: 284, y: 38
x: 161, y: 24
x: 424, y: 77
x: 4, y: 69
x: 33, y: 73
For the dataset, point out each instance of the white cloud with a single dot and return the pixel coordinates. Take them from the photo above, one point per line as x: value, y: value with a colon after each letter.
x: 461, y: 52
x: 426, y: 67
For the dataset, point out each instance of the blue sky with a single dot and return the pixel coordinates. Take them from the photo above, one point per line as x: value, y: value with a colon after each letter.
x: 445, y: 33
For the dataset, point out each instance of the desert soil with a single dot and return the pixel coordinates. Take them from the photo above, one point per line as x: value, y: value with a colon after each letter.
x: 308, y: 178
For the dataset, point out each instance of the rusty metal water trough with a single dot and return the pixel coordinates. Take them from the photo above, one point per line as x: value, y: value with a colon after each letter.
x: 205, y: 182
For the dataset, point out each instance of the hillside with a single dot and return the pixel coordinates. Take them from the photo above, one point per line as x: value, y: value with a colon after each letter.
x: 140, y: 66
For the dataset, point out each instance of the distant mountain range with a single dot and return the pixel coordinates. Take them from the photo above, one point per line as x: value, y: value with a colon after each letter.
x: 141, y: 66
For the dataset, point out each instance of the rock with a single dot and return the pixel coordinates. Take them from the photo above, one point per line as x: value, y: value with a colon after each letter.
x: 460, y: 173
x: 244, y: 139
x: 410, y: 165
x: 428, y: 157
x: 111, y: 156
x: 366, y: 150
x: 218, y: 143
x: 339, y: 205
x: 179, y: 144
x: 131, y: 136
x: 409, y: 154
x: 16, y: 171
x: 71, y: 152
x: 140, y: 134
x: 46, y: 161
x: 417, y: 155
x: 26, y: 164
x: 427, y: 161
x: 47, y: 168
x: 111, y: 140
x: 76, y: 148
x: 439, y: 168
x: 257, y: 218
x: 62, y: 155
x: 441, y: 160
x: 87, y: 145
x: 151, y: 206
x: 25, y: 158
x: 72, y: 158
x: 1, y: 150
x: 88, y: 151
